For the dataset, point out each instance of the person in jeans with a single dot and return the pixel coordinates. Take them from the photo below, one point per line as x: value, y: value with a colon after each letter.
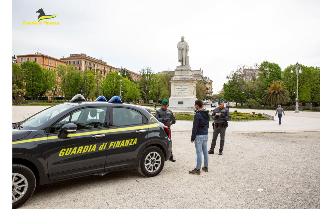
x: 200, y: 136
x: 279, y: 111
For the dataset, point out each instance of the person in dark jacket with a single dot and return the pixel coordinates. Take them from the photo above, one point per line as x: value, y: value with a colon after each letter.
x: 165, y: 116
x: 220, y: 115
x: 200, y: 136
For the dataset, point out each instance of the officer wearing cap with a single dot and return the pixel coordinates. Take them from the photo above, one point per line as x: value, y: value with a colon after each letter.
x: 220, y: 115
x: 165, y: 116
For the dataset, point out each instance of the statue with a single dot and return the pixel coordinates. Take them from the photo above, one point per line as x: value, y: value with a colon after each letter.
x: 183, y: 49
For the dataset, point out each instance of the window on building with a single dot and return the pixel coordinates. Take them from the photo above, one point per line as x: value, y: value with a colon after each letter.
x: 56, y: 64
x: 28, y: 59
x: 21, y: 60
x: 35, y: 59
x: 80, y: 62
x: 85, y: 62
x: 49, y: 62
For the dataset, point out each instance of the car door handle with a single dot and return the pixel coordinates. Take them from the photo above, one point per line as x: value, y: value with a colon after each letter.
x: 98, y: 135
x: 141, y: 131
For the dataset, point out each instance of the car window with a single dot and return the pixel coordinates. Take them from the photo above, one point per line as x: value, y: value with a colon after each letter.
x: 125, y: 116
x: 57, y: 127
x: 44, y: 116
x: 88, y: 118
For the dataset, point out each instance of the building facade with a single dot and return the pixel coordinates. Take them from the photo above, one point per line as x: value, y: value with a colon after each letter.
x: 84, y: 62
x: 198, y: 75
x: 43, y: 60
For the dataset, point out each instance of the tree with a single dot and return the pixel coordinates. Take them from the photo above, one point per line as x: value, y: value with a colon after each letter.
x: 155, y: 87
x: 17, y: 84
x: 88, y: 82
x: 201, y: 90
x: 70, y: 80
x: 267, y: 73
x: 97, y: 85
x: 144, y: 82
x: 166, y: 80
x: 131, y: 91
x: 49, y: 81
x: 165, y: 87
x: 34, y: 78
x: 125, y: 73
x: 111, y: 85
x: 235, y: 90
x: 315, y: 85
x: 276, y: 94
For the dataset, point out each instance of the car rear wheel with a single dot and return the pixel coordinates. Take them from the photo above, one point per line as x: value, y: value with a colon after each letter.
x: 151, y: 162
x: 23, y: 184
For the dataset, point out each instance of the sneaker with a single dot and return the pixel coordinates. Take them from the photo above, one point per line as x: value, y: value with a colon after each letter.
x: 220, y: 152
x: 205, y: 169
x: 195, y: 171
x: 211, y: 151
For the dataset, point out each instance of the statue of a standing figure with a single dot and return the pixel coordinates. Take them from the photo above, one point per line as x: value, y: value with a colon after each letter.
x: 183, y: 49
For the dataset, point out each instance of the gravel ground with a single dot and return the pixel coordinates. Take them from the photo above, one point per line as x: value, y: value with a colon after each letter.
x: 285, y: 165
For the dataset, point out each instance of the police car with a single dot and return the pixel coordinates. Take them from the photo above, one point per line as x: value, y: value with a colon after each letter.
x: 81, y: 138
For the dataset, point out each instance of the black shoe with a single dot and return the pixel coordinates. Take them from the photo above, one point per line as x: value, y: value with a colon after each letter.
x: 220, y: 152
x: 211, y: 151
x: 172, y: 159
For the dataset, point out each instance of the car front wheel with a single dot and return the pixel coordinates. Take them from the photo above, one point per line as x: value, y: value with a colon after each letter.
x: 151, y: 162
x: 23, y: 184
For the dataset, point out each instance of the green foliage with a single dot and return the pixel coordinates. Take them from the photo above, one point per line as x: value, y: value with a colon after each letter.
x: 111, y: 85
x: 88, y: 82
x: 276, y: 94
x: 34, y: 78
x: 201, y: 90
x: 145, y: 83
x: 131, y: 91
x: 252, y: 103
x: 17, y: 84
x: 70, y: 80
x: 234, y: 89
x: 125, y: 74
x: 50, y: 81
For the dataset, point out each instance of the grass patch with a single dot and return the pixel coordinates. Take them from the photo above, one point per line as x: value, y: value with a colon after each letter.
x: 235, y: 116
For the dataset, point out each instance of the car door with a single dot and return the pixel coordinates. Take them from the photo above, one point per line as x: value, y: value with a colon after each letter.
x: 127, y: 133
x: 82, y: 152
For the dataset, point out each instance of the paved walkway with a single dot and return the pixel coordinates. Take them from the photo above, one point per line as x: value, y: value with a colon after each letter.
x: 291, y: 122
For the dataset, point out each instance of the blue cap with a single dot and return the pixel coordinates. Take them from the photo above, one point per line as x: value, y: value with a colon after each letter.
x: 115, y: 99
x: 101, y: 99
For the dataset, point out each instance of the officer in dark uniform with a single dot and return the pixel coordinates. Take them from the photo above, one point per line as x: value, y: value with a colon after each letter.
x: 165, y: 116
x: 220, y: 115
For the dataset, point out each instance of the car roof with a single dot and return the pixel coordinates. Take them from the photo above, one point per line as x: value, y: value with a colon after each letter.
x: 95, y: 103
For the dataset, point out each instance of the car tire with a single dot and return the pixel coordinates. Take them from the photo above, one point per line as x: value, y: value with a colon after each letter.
x: 151, y: 162
x: 23, y: 184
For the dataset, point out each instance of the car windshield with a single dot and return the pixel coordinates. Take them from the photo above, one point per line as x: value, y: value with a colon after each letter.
x: 40, y: 118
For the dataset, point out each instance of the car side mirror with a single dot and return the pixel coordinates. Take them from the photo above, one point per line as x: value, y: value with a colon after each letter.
x: 66, y: 129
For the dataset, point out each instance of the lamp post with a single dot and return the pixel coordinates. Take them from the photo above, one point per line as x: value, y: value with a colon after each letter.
x: 297, y: 101
x: 121, y: 80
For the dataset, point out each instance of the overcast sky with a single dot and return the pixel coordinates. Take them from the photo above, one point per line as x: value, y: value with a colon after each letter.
x: 138, y: 34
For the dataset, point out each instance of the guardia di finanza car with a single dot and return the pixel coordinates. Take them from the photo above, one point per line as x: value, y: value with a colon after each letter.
x: 81, y: 138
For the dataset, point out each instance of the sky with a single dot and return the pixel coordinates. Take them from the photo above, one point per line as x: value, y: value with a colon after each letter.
x: 222, y: 34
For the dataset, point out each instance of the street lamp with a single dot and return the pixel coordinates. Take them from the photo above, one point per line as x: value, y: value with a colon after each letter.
x: 119, y: 73
x: 297, y: 101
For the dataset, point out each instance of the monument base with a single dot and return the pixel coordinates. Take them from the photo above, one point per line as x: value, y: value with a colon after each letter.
x: 182, y: 103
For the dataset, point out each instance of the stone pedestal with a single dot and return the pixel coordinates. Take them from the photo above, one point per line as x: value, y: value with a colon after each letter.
x: 183, y: 90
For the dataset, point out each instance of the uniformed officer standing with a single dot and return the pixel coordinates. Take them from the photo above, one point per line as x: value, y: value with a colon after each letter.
x: 165, y: 116
x: 220, y: 115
